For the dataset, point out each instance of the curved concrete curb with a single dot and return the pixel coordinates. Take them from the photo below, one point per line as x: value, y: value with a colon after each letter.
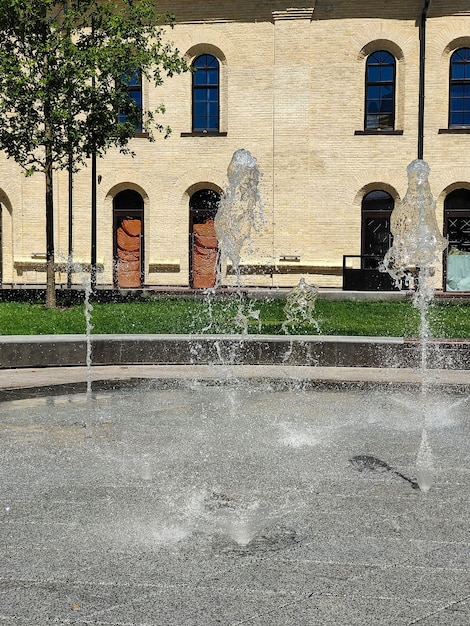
x: 323, y: 351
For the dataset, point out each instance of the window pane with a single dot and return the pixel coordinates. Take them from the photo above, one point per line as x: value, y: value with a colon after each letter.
x: 386, y: 106
x: 387, y: 74
x: 213, y: 95
x: 373, y: 74
x: 458, y: 71
x: 385, y: 57
x: 385, y: 121
x: 386, y: 91
x: 377, y: 200
x: 137, y: 97
x: 213, y: 123
x: 459, y: 55
x: 200, y: 109
x: 372, y: 122
x: 213, y: 108
x: 373, y: 92
x: 200, y: 123
x: 456, y: 119
x: 200, y: 77
x: 201, y: 61
x: 212, y: 77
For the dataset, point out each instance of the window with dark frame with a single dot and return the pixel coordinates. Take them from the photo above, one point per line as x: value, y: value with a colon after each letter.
x: 376, y: 209
x: 206, y: 94
x: 459, y: 89
x: 380, y: 91
x: 131, y: 109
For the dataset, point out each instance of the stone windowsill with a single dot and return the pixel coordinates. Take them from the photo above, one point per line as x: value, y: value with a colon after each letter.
x: 464, y: 130
x: 378, y: 132
x: 204, y: 133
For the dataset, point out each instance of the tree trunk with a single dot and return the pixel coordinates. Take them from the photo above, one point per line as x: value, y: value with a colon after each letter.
x: 50, y: 261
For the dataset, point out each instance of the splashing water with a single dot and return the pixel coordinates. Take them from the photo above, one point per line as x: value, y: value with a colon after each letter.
x: 240, y: 211
x: 424, y: 464
x: 300, y: 306
x: 243, y: 524
x: 416, y: 249
x: 88, y: 309
x: 417, y: 242
x: 74, y: 267
x: 244, y: 314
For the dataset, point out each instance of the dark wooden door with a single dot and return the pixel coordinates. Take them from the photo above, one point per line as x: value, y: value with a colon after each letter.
x: 128, y: 251
x: 204, y: 255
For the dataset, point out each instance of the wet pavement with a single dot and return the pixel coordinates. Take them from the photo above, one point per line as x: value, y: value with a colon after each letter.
x: 186, y: 502
x: 117, y: 375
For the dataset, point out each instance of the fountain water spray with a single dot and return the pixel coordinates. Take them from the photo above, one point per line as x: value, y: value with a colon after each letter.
x: 88, y: 308
x: 300, y: 307
x: 74, y: 267
x: 240, y: 210
x: 416, y: 249
x: 424, y: 464
x: 239, y: 214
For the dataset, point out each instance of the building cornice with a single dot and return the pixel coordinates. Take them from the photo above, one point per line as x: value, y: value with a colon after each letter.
x: 293, y: 13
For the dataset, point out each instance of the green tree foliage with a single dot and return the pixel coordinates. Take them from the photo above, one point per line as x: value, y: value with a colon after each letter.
x: 64, y: 71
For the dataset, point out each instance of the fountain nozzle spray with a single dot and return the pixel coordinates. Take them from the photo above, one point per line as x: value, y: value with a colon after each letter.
x: 417, y: 246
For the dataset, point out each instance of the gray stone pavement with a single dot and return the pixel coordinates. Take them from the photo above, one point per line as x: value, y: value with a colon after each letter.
x: 25, y: 378
x: 233, y: 504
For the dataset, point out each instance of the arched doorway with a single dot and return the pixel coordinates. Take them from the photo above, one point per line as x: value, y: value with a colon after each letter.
x: 457, y: 229
x: 128, y: 219
x: 203, y: 246
x: 376, y: 209
x: 1, y: 245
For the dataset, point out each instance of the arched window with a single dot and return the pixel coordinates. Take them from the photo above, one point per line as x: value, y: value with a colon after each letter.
x: 206, y: 93
x: 457, y: 221
x: 459, y: 89
x: 131, y: 105
x: 457, y: 230
x: 380, y: 91
x: 377, y: 207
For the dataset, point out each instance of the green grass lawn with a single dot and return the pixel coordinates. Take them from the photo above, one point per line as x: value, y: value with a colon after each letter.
x: 188, y: 315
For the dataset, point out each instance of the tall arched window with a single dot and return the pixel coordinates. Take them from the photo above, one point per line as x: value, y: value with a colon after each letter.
x: 459, y: 88
x: 457, y: 230
x: 377, y: 207
x: 131, y: 106
x: 380, y: 91
x: 206, y: 93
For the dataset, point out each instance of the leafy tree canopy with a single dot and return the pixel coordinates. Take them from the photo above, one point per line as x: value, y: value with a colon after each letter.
x: 64, y: 69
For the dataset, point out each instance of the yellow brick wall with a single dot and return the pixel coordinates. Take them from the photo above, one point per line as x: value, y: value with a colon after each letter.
x: 292, y: 93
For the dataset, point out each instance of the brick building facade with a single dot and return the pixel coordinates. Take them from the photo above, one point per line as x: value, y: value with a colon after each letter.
x: 328, y: 99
